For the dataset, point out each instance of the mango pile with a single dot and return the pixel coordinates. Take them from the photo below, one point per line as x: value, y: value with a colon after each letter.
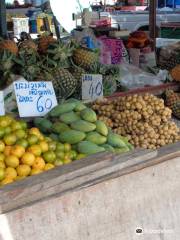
x: 26, y: 152
x: 74, y: 123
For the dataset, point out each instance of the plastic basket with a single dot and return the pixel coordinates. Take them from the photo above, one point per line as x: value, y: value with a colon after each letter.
x: 20, y: 25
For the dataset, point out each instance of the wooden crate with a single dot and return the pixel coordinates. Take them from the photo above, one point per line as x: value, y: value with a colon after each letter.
x: 104, y: 197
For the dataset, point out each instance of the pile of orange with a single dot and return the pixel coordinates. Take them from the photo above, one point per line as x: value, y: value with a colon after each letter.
x: 25, y: 152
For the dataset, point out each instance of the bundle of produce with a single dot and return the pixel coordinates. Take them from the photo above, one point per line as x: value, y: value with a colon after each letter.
x: 144, y: 120
x: 169, y: 56
x: 172, y: 100
x: 26, y: 152
x: 74, y: 123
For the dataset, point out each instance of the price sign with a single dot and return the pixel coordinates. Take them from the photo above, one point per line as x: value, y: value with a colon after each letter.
x: 92, y: 86
x: 2, y: 110
x: 34, y: 98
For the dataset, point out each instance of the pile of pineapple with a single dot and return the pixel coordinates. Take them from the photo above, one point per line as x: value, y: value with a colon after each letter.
x: 48, y: 59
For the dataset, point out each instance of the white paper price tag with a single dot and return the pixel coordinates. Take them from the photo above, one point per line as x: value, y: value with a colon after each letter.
x: 92, y: 86
x: 34, y: 98
x: 2, y: 110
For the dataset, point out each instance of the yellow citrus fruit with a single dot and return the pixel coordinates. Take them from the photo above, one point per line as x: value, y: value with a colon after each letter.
x: 11, y: 161
x: 2, y: 146
x: 2, y: 174
x: 7, y: 130
x: 22, y: 142
x: 18, y: 178
x: 34, y: 131
x: 2, y: 157
x: 44, y: 146
x: 4, y: 122
x: 28, y: 158
x: 67, y: 147
x: 58, y: 162
x: 59, y: 154
x: 7, y: 150
x: 60, y: 147
x: 52, y: 145
x: 80, y: 156
x: 49, y: 156
x: 23, y: 170
x: 35, y: 150
x: 2, y: 165
x: 49, y: 166
x: 2, y: 132
x: 15, y: 126
x: 67, y: 161
x: 10, y: 173
x: 10, y: 139
x: 32, y: 139
x: 20, y: 133
x: 18, y: 151
x: 35, y: 171
x: 41, y: 137
x: 23, y: 124
x: 39, y: 163
x: 6, y: 181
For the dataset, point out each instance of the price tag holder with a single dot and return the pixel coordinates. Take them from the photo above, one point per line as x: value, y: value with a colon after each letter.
x: 34, y: 98
x: 2, y: 109
x: 92, y: 86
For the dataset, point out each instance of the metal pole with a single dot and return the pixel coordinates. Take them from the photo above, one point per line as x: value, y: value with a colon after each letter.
x: 152, y: 22
x: 3, y: 24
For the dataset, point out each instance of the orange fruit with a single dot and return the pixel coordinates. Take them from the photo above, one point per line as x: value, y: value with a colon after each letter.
x: 20, y: 133
x: 10, y: 139
x: 2, y: 146
x: 49, y: 156
x: 15, y: 126
x: 22, y: 142
x: 17, y: 151
x: 2, y: 165
x: 7, y: 150
x: 23, y: 170
x: 35, y: 150
x: 32, y: 139
x: 48, y: 166
x: 6, y: 181
x: 18, y: 178
x: 2, y: 174
x: 67, y: 147
x: 11, y: 161
x: 39, y: 163
x: 28, y: 158
x: 10, y: 173
x: 35, y: 171
x: 44, y: 146
x: 2, y: 157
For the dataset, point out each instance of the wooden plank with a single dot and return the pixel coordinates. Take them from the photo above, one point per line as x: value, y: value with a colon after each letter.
x: 111, y: 210
x: 81, y: 174
x: 68, y: 178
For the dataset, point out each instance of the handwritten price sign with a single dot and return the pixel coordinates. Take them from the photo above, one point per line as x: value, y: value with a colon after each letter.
x: 92, y: 86
x: 2, y: 111
x: 34, y: 98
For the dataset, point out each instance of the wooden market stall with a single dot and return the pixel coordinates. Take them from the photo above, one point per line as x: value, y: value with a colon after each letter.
x: 102, y: 197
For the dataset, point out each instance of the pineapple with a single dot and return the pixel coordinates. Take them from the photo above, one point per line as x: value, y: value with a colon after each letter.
x: 10, y: 45
x: 85, y: 58
x: 44, y: 42
x: 64, y: 83
x: 171, y: 98
x: 28, y: 44
x: 77, y: 72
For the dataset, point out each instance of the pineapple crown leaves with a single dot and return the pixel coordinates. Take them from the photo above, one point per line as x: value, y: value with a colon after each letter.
x: 7, y: 60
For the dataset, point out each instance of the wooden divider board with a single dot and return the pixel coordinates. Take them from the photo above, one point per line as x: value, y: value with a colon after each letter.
x: 103, y: 197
